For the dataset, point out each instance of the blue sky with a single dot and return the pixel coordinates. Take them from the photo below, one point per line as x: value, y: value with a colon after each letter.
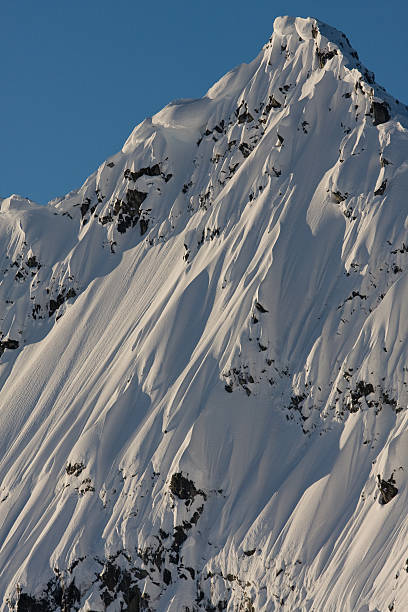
x: 77, y: 76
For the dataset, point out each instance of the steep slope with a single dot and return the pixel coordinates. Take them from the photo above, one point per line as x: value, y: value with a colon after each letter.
x: 204, y: 354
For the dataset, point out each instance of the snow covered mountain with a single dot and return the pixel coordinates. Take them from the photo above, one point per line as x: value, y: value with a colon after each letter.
x: 204, y: 354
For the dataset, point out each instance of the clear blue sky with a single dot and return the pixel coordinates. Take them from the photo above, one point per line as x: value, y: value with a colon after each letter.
x: 78, y: 75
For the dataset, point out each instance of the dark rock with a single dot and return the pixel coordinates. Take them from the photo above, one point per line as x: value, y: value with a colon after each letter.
x: 27, y: 603
x: 356, y: 294
x: 74, y: 468
x: 325, y: 55
x: 135, y: 198
x: 144, y: 224
x: 106, y: 219
x: 149, y: 171
x: 71, y: 293
x: 179, y: 538
x: 228, y: 388
x: 387, y: 489
x: 272, y: 103
x: 245, y: 149
x: 362, y: 389
x: 381, y: 112
x: 296, y: 402
x: 196, y: 515
x: 140, y: 573
x: 167, y: 576
x: 245, y: 117
x: 55, y: 304
x: 249, y: 553
x: 381, y: 189
x: 182, y: 487
x: 32, y: 262
x: 110, y: 164
x: 85, y: 207
x: 338, y: 197
x: 386, y: 399
x: 259, y: 307
x: 10, y: 344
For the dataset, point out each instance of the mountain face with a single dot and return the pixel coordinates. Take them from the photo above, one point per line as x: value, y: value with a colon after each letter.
x: 204, y: 373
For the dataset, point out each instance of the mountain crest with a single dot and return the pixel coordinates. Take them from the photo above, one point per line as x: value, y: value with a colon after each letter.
x: 204, y: 348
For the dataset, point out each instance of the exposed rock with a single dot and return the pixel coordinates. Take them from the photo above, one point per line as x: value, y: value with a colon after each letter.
x: 144, y: 224
x: 387, y: 489
x: 55, y: 304
x: 32, y: 262
x: 167, y: 576
x: 381, y: 112
x: 362, y: 389
x: 272, y: 103
x: 325, y: 55
x: 74, y: 468
x: 183, y: 488
x: 135, y: 198
x: 85, y: 207
x: 338, y: 197
x: 149, y: 171
x: 10, y: 344
x: 245, y: 149
x: 259, y: 307
x: 381, y: 189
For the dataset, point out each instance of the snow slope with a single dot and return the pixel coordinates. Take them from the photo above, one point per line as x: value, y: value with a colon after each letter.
x: 204, y: 354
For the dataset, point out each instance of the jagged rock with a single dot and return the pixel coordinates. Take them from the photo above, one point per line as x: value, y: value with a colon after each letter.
x: 55, y: 304
x: 74, y: 468
x: 182, y: 487
x: 85, y: 207
x: 245, y: 149
x: 135, y: 198
x: 272, y: 103
x: 144, y: 224
x: 362, y: 389
x: 387, y: 488
x: 338, y: 197
x: 381, y: 112
x: 149, y: 171
x: 10, y: 344
x: 325, y: 55
x: 167, y: 576
x: 32, y: 262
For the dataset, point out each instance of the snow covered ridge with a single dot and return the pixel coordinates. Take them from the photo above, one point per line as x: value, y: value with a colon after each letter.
x: 204, y: 373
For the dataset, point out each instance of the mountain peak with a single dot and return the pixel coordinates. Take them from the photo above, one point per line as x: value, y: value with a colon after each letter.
x: 204, y: 348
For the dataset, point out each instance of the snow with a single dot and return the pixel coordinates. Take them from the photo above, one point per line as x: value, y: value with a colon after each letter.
x: 223, y: 299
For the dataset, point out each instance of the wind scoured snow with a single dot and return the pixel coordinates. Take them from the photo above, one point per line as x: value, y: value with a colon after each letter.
x: 204, y: 354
